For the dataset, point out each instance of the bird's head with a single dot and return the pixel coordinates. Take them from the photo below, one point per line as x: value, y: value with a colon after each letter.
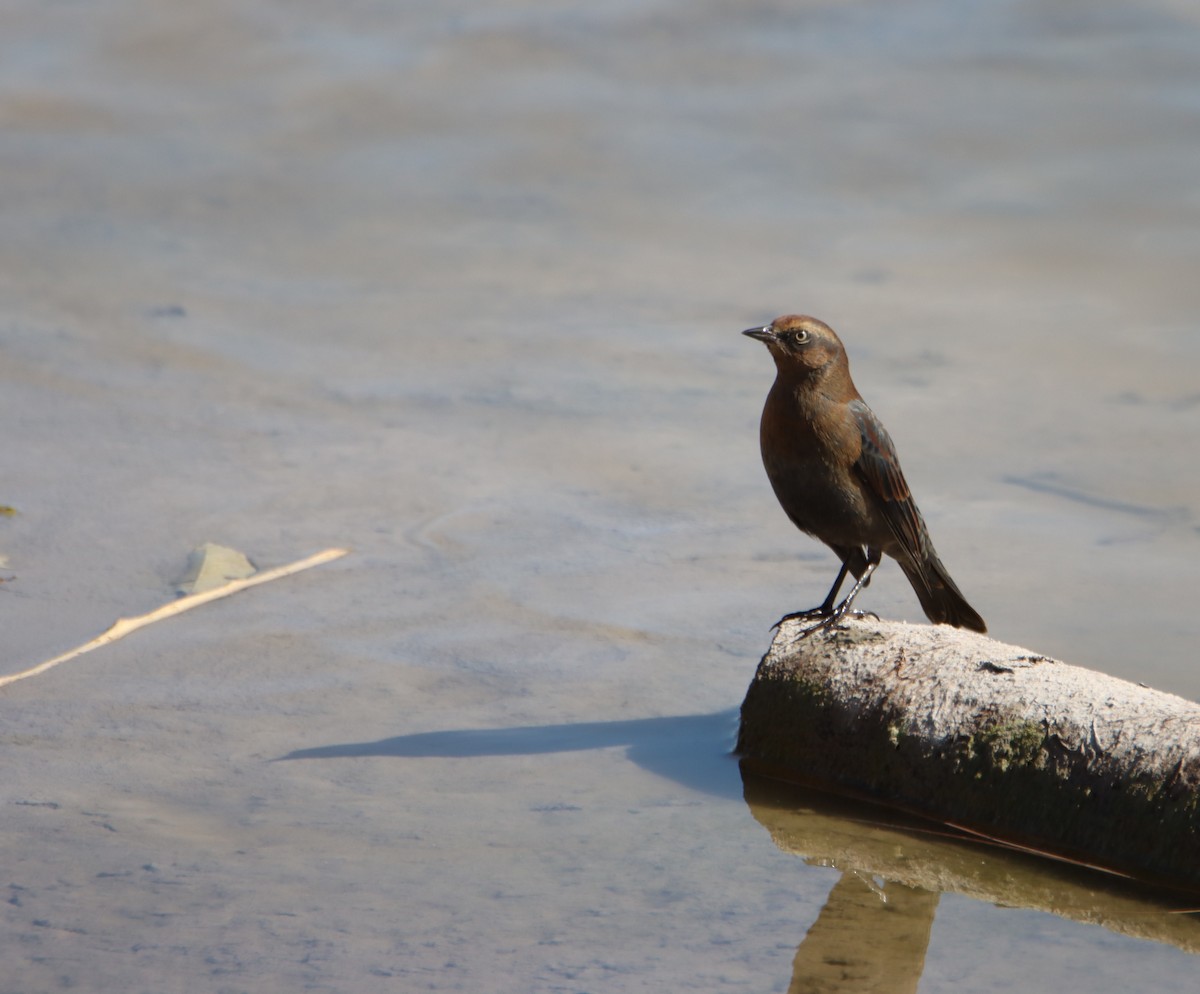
x: 800, y: 344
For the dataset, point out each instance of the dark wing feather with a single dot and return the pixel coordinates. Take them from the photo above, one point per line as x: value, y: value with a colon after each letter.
x: 879, y: 468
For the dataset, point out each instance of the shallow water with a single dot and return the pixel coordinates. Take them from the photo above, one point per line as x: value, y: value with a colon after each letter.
x: 461, y: 288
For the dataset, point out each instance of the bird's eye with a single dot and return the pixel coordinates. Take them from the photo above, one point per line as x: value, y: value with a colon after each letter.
x: 799, y: 337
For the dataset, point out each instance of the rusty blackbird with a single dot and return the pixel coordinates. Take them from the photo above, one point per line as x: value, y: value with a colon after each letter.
x: 834, y: 469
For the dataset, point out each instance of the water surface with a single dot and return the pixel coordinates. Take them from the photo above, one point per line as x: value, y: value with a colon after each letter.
x: 460, y: 288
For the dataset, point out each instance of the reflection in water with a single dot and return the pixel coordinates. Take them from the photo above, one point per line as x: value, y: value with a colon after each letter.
x: 873, y: 931
x: 871, y: 936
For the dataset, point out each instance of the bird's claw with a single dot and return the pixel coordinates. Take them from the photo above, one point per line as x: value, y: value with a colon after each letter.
x: 812, y: 612
x: 828, y: 619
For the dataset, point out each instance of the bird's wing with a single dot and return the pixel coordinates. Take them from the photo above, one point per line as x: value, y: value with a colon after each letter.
x: 879, y: 468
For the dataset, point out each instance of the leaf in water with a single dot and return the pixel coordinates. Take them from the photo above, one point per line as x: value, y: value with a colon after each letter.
x: 211, y: 566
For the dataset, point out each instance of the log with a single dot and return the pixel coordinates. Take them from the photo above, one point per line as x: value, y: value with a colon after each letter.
x: 986, y: 737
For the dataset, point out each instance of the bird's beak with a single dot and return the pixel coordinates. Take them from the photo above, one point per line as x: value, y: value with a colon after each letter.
x: 764, y: 334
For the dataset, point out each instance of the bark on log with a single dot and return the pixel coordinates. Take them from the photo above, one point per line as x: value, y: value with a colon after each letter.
x: 990, y: 737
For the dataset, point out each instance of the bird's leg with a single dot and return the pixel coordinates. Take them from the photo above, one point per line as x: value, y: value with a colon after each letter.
x: 835, y: 614
x: 826, y: 609
x: 874, y: 556
x: 839, y: 612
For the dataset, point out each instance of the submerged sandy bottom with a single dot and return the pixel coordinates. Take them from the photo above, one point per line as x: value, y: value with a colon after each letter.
x: 460, y: 290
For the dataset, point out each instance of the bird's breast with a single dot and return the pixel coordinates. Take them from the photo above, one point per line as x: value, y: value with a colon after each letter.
x: 801, y: 425
x: 809, y: 447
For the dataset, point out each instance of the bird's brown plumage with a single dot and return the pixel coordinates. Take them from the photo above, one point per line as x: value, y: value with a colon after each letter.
x: 835, y: 471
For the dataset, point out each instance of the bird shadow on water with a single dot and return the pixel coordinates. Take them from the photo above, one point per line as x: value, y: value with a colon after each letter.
x: 692, y: 750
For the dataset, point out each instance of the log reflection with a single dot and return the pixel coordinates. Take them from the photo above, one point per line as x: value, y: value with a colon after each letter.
x: 870, y: 938
x: 872, y: 933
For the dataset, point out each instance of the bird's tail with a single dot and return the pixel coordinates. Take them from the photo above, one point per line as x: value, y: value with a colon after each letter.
x: 943, y: 602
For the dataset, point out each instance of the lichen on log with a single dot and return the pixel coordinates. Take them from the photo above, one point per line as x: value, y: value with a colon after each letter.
x: 986, y: 736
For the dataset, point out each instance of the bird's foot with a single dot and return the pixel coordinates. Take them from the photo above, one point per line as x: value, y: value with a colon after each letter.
x: 828, y: 619
x: 812, y: 612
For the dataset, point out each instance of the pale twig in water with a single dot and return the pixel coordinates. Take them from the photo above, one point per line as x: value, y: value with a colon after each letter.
x: 123, y: 626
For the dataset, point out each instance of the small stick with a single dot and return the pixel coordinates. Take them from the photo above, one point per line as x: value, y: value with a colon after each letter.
x: 123, y: 626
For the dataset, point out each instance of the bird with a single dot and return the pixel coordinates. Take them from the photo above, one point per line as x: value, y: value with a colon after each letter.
x: 834, y: 469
